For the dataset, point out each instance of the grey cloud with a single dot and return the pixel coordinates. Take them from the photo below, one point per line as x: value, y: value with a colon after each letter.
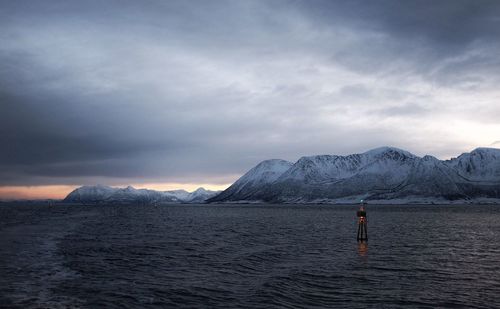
x: 355, y: 91
x: 446, y: 24
x: 197, y: 91
x: 407, y: 109
x: 415, y: 37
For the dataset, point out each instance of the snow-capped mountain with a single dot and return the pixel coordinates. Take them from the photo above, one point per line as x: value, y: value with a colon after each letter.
x: 104, y: 194
x: 255, y: 180
x: 199, y: 195
x: 385, y: 173
x: 90, y: 194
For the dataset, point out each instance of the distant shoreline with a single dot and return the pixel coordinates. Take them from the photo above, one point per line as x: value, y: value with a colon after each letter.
x: 378, y: 203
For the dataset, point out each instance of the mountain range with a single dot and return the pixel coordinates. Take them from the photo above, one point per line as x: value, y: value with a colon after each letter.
x: 385, y: 174
x: 128, y: 195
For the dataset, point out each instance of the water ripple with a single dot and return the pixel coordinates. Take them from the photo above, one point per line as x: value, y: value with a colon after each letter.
x: 245, y: 256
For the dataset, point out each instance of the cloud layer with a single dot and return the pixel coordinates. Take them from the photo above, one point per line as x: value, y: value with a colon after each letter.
x: 200, y: 91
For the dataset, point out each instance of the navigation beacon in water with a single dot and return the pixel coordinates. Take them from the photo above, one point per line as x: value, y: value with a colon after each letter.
x: 362, y: 228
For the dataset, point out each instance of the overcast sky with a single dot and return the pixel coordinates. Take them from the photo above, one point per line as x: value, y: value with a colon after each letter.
x: 198, y: 92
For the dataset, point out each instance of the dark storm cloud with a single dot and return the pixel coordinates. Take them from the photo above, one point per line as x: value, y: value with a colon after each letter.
x: 199, y: 91
x: 441, y: 40
x: 450, y: 23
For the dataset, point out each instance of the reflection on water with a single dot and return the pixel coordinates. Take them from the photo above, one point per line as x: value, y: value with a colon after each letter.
x: 363, y: 248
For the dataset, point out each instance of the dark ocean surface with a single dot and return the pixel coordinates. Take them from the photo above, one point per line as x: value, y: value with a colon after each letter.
x: 248, y: 256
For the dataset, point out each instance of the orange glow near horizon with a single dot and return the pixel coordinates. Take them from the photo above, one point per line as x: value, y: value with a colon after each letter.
x: 60, y: 191
x: 35, y: 192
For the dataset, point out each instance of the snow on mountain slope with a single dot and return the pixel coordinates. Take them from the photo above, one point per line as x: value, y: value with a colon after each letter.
x: 265, y: 173
x: 481, y: 164
x: 387, y: 151
x: 200, y: 195
x: 132, y: 195
x: 103, y: 194
x: 381, y: 173
x: 181, y: 195
x: 331, y: 168
x: 322, y: 168
x: 90, y: 194
x: 428, y: 177
x: 375, y: 171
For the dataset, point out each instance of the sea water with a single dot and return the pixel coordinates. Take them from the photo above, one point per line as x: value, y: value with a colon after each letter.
x: 248, y: 256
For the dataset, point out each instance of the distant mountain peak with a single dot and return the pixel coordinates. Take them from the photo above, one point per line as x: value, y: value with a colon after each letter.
x: 388, y: 150
x: 429, y: 158
x: 272, y: 162
x: 129, y: 194
x: 264, y: 173
x: 489, y: 150
x: 200, y: 190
